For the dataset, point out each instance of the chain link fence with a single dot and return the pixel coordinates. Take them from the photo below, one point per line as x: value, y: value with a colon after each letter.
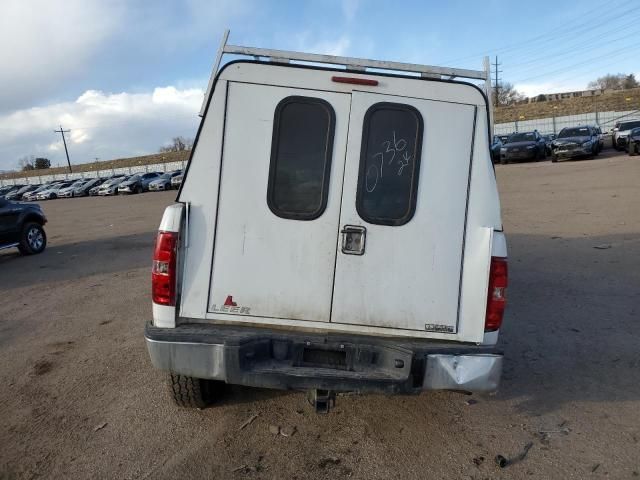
x: 39, y: 179
x: 606, y: 121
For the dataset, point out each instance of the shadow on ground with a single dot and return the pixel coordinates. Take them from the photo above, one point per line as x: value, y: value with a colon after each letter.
x: 571, y: 331
x: 70, y: 261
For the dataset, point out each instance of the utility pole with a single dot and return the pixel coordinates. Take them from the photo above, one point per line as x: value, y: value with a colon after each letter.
x: 62, y: 132
x: 496, y: 80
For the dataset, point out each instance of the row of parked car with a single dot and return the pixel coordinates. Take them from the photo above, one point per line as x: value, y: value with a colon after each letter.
x: 625, y: 136
x: 571, y: 142
x: 102, y: 186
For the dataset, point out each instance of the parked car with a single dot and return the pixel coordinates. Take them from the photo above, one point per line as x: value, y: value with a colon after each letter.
x: 503, y: 138
x: 412, y: 295
x: 163, y: 182
x: 600, y: 135
x: 68, y: 192
x: 548, y: 140
x: 496, y: 145
x: 83, y: 190
x: 575, y: 142
x: 177, y: 180
x: 138, y: 183
x: 31, y: 195
x: 5, y: 189
x: 52, y: 192
x: 22, y: 226
x: 523, y: 146
x: 93, y: 191
x: 621, y: 132
x: 110, y: 187
x: 17, y: 194
x: 10, y: 190
x: 633, y: 141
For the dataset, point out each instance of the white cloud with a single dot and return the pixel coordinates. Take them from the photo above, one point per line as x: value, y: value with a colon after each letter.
x: 46, y: 43
x: 105, y: 125
x: 533, y: 89
x: 350, y: 8
x: 338, y: 47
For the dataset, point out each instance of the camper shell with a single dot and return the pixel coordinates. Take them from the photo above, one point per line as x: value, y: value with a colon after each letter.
x: 333, y: 232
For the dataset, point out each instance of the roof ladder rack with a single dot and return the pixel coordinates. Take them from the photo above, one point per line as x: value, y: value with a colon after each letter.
x: 350, y: 63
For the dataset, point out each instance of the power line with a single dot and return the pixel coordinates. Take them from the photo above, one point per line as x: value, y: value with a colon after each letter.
x: 615, y: 53
x: 62, y: 132
x: 568, y: 28
x: 587, y: 32
x: 581, y: 47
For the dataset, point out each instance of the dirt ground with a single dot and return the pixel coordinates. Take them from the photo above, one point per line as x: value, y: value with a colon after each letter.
x: 79, y: 398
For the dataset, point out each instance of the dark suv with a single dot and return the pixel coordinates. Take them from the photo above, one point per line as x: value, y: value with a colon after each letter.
x: 523, y: 146
x: 21, y: 225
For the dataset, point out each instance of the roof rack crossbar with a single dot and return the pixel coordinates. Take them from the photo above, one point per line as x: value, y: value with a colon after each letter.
x: 351, y: 63
x: 354, y: 62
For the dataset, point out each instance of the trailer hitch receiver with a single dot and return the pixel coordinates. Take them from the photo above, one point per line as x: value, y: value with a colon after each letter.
x: 322, y: 400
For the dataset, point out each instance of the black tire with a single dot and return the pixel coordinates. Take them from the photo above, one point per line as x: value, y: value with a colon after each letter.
x: 33, y: 239
x: 632, y: 150
x: 503, y: 161
x: 139, y: 189
x: 193, y: 392
x: 554, y: 158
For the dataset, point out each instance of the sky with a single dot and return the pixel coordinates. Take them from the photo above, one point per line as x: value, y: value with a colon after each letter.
x: 126, y: 76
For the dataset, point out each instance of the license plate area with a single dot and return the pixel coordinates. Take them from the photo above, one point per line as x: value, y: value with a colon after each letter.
x: 311, y: 359
x: 324, y: 358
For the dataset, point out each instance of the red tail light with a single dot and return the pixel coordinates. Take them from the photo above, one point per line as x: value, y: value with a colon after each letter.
x: 498, y: 280
x: 163, y: 272
x: 355, y: 81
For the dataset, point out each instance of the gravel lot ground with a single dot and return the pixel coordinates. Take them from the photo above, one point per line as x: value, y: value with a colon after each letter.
x: 81, y: 400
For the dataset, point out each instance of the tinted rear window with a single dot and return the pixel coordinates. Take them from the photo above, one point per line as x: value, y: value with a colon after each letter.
x: 574, y: 132
x: 389, y: 164
x: 628, y: 125
x: 301, y: 151
x: 522, y: 137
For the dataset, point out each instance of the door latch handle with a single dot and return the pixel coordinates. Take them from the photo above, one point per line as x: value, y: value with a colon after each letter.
x: 353, y: 239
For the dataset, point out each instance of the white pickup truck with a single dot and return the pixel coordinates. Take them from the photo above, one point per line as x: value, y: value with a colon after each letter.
x: 333, y: 233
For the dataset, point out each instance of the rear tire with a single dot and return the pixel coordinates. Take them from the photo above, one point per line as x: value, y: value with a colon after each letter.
x: 554, y: 158
x: 193, y: 392
x: 632, y: 150
x: 503, y: 161
x: 139, y: 189
x: 33, y: 239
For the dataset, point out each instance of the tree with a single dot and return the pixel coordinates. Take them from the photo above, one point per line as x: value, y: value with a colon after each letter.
x: 178, y: 144
x: 507, y: 94
x: 630, y: 82
x: 26, y: 163
x: 614, y: 82
x: 42, y: 163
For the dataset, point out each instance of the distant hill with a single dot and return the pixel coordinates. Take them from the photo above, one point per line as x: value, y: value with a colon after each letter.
x: 104, y: 165
x: 616, y: 101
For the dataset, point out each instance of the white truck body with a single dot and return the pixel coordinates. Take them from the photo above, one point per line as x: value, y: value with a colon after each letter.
x: 323, y: 201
